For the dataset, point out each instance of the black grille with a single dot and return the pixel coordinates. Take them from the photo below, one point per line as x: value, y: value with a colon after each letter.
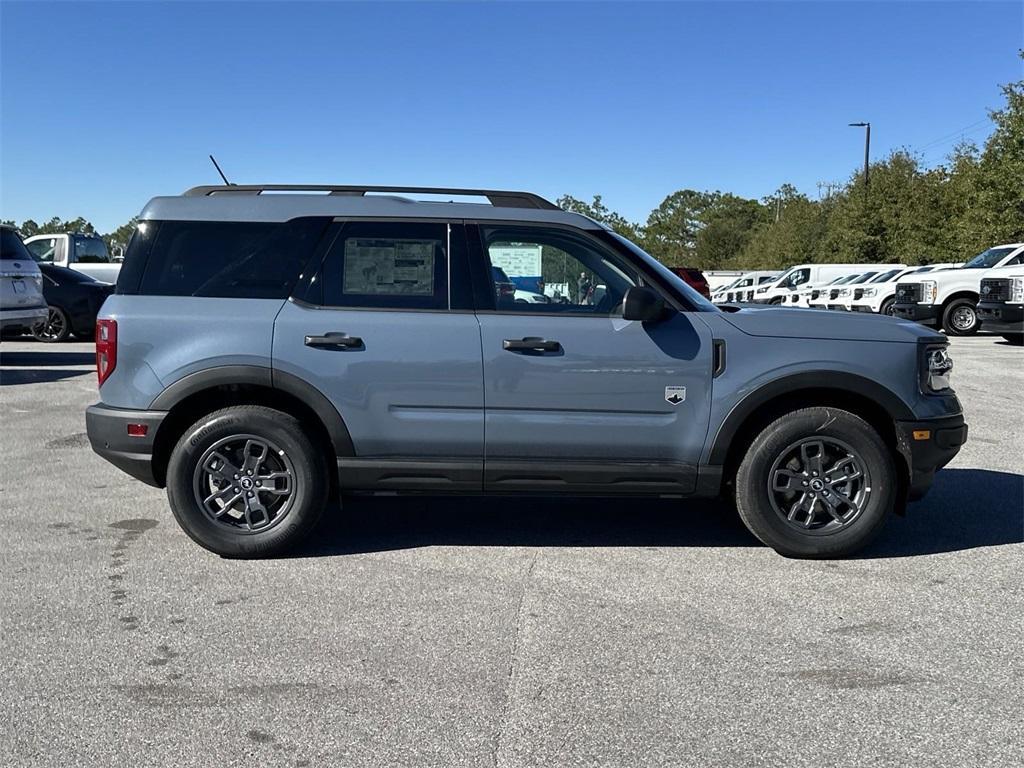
x: 995, y: 289
x: 908, y: 293
x: 815, y: 294
x: 858, y: 293
x: 833, y: 293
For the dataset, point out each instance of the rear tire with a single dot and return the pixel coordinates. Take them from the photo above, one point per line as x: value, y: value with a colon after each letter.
x: 246, y: 482
x: 832, y: 513
x: 960, y: 318
x: 55, y: 328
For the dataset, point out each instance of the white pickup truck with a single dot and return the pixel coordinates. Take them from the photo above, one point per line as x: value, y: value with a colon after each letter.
x: 85, y: 253
x: 879, y: 296
x: 949, y: 297
x: 1001, y: 306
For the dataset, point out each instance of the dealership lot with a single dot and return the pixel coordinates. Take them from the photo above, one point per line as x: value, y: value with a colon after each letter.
x: 502, y: 632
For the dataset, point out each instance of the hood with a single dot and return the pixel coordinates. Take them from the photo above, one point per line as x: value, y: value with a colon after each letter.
x: 822, y: 324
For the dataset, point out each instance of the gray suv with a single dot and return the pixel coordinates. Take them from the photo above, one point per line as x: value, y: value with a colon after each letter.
x: 266, y: 352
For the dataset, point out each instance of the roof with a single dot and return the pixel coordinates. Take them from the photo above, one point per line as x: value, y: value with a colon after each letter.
x: 284, y: 202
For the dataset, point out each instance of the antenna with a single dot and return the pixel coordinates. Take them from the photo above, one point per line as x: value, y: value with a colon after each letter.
x: 220, y: 172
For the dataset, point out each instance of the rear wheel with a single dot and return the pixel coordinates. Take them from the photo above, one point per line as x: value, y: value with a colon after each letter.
x: 960, y: 318
x: 246, y: 482
x: 55, y: 328
x: 817, y: 482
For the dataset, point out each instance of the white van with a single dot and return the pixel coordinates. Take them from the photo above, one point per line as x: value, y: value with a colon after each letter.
x: 793, y: 278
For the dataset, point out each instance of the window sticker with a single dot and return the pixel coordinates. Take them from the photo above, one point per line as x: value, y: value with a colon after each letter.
x: 389, y: 267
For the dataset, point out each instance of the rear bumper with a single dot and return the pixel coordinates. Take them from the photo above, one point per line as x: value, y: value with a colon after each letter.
x: 22, y: 317
x: 936, y: 443
x: 921, y: 313
x: 108, y: 433
x: 1001, y: 318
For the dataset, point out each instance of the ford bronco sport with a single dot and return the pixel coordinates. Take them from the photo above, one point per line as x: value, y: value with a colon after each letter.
x: 266, y: 352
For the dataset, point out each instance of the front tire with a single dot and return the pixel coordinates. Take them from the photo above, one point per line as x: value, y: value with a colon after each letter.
x: 888, y: 308
x: 960, y: 318
x: 246, y: 482
x: 815, y: 483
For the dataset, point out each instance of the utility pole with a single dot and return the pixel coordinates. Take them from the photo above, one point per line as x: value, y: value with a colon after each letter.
x: 867, y: 147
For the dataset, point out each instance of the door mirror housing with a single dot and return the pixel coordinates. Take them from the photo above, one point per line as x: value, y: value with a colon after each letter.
x: 642, y: 304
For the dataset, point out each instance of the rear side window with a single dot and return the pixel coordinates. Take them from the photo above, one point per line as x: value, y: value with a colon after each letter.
x: 241, y: 260
x: 388, y: 265
x: 11, y: 246
x: 91, y: 250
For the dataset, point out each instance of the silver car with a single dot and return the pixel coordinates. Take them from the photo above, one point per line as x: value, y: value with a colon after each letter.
x: 21, y: 285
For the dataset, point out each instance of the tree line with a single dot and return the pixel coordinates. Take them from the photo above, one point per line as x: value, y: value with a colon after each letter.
x: 908, y: 213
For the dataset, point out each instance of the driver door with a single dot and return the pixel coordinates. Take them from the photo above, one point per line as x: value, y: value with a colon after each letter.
x: 575, y: 396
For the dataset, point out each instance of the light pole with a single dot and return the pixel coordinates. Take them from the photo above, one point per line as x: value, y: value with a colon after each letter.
x: 867, y: 147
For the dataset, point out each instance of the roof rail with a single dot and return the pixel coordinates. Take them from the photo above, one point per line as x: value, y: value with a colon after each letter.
x: 498, y: 198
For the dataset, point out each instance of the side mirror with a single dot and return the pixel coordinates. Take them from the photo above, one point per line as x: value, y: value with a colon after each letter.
x: 642, y: 304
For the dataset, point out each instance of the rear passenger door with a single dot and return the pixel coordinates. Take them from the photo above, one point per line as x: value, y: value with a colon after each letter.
x: 385, y: 328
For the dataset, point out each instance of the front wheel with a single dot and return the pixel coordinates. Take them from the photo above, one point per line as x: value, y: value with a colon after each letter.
x: 816, y: 482
x: 960, y: 318
x: 246, y: 482
x: 888, y: 308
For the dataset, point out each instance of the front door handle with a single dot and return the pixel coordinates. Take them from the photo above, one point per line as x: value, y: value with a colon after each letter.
x: 336, y: 340
x: 531, y: 344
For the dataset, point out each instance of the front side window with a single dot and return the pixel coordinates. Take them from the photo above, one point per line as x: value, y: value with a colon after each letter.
x: 388, y: 265
x: 43, y: 250
x: 553, y: 270
x: 796, y: 277
x: 91, y: 250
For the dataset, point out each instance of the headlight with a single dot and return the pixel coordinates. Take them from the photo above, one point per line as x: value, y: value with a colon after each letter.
x: 868, y: 293
x: 1016, y: 290
x: 928, y: 291
x: 939, y: 365
x: 843, y: 292
x: 763, y: 290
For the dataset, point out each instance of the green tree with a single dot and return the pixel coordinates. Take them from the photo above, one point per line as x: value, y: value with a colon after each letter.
x: 599, y: 212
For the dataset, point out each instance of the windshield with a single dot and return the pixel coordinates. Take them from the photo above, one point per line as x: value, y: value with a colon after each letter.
x: 699, y: 302
x: 887, y: 276
x: 988, y: 258
x: 863, y: 278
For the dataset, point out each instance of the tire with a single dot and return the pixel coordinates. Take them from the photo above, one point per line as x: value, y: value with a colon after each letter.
x: 956, y: 309
x: 55, y: 328
x: 776, y: 301
x: 1017, y: 339
x: 279, y: 455
x: 887, y: 308
x: 814, y: 532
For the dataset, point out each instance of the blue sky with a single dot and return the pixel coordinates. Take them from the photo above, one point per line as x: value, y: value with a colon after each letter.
x: 631, y: 101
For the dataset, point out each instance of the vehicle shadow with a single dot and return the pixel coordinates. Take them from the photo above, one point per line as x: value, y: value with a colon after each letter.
x: 35, y: 367
x: 34, y: 359
x: 965, y: 509
x: 375, y: 524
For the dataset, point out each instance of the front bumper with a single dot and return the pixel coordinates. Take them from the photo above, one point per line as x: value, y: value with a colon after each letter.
x: 921, y: 313
x: 928, y: 446
x: 108, y: 433
x: 998, y: 317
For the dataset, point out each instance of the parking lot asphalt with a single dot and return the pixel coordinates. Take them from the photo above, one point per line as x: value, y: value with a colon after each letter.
x: 505, y: 632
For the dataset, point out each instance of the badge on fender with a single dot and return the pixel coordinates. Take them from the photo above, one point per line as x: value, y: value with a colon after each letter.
x: 675, y: 395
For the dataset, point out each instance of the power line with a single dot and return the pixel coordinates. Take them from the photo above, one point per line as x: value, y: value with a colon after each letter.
x: 955, y: 134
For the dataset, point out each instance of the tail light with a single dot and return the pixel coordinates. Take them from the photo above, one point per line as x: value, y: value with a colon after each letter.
x: 106, y: 349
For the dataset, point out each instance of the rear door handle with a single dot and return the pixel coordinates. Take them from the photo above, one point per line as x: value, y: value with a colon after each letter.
x: 531, y: 344
x: 335, y: 339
